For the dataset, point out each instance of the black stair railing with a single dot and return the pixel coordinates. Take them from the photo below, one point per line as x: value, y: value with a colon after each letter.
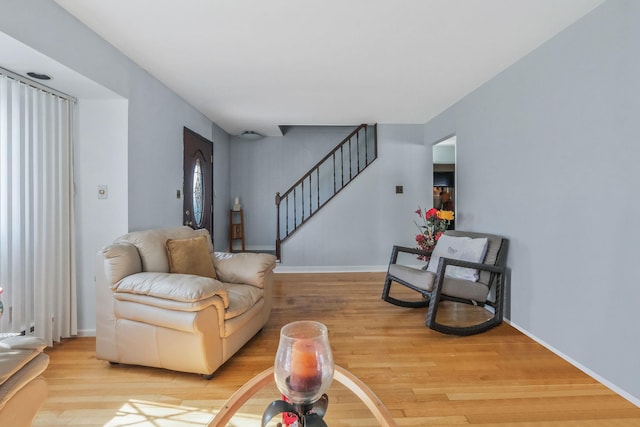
x: 324, y: 180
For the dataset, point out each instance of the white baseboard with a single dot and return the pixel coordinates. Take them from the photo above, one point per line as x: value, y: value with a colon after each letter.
x: 578, y: 365
x: 261, y: 248
x: 255, y: 248
x: 86, y: 333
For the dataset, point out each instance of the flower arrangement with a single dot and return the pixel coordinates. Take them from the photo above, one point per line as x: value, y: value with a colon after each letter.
x: 435, y: 222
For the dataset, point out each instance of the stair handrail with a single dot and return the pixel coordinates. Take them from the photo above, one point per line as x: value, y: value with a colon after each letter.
x: 315, y: 169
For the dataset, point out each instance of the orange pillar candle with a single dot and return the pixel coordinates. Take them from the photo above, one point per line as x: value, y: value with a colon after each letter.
x: 305, y: 373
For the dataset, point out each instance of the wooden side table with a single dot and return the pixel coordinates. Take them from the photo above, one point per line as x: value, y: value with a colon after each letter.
x: 236, y: 228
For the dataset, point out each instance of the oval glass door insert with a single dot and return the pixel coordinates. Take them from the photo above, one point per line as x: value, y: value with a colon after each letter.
x: 198, y: 193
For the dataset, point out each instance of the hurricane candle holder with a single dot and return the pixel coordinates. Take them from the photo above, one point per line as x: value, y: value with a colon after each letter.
x: 303, y: 372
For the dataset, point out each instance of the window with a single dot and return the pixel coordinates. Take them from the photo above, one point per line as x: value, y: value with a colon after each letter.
x: 37, y: 260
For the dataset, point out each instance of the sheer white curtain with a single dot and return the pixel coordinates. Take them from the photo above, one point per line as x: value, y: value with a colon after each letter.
x: 37, y: 257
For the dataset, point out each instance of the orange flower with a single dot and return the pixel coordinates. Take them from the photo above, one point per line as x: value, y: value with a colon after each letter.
x: 446, y: 215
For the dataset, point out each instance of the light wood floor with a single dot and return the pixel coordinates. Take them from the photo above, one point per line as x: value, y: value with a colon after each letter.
x: 499, y: 378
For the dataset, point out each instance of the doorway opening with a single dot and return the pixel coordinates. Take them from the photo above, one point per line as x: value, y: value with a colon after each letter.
x: 444, y: 176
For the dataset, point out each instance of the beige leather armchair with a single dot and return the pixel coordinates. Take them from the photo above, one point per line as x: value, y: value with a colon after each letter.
x: 148, y: 316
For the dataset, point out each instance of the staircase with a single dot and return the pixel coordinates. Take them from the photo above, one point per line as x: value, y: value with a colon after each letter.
x: 324, y: 180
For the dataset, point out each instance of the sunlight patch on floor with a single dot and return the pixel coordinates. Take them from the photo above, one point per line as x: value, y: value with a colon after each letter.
x: 140, y: 413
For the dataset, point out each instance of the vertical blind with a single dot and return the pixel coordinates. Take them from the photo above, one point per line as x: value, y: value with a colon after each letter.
x: 37, y: 256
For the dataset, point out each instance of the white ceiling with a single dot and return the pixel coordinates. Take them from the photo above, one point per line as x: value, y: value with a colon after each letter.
x: 257, y: 64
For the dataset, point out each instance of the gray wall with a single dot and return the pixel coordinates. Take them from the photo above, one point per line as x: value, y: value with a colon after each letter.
x: 100, y: 156
x: 272, y: 164
x: 156, y: 120
x: 444, y: 154
x: 221, y: 180
x: 357, y: 229
x: 547, y: 155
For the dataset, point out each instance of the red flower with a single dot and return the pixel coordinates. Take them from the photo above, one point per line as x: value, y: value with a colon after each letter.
x: 433, y: 212
x: 438, y: 234
x: 420, y: 238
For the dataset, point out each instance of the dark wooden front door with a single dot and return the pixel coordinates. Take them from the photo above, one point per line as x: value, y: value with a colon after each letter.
x: 198, y: 181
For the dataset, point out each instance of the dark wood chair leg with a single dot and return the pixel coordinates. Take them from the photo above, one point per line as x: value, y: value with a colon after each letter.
x: 390, y: 278
x: 387, y: 288
x: 401, y: 303
x: 494, y: 321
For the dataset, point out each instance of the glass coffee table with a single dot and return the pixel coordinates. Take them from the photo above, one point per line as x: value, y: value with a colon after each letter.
x: 347, y: 395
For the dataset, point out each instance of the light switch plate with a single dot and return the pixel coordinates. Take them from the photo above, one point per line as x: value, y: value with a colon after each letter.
x: 103, y: 192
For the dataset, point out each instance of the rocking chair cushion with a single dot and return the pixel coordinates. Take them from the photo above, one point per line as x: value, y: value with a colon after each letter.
x: 460, y: 248
x: 419, y: 278
x: 461, y: 288
x: 424, y: 280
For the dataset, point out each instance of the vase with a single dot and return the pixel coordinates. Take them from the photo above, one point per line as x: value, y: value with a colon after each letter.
x: 304, y: 362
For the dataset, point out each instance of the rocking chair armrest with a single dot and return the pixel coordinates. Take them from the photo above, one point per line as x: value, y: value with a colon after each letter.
x: 404, y: 249
x: 438, y: 285
x: 443, y: 262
